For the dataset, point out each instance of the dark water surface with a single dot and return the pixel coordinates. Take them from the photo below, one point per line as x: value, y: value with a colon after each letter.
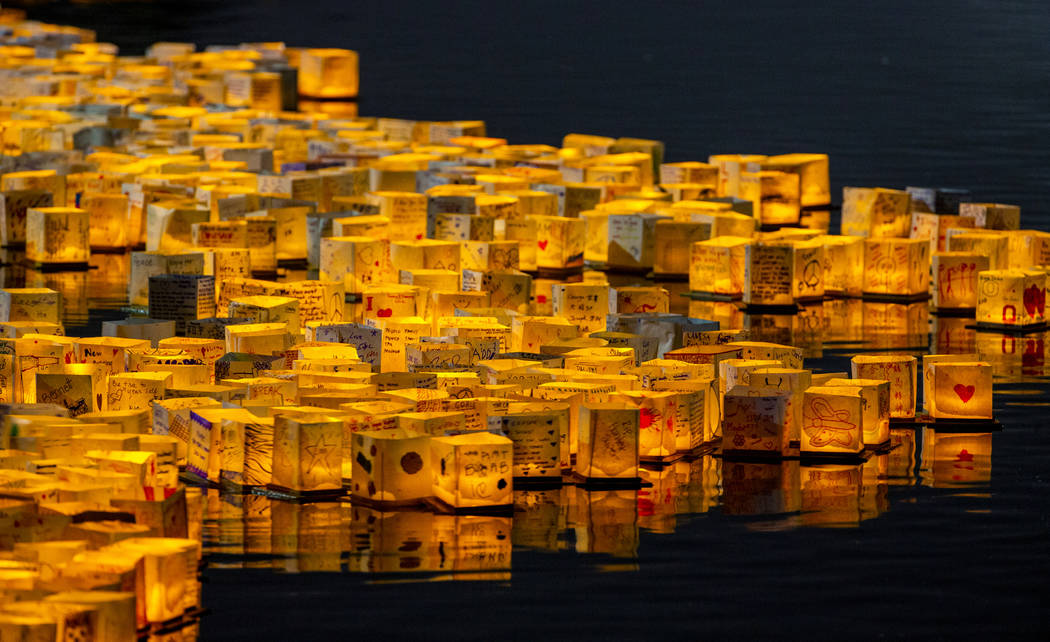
x: 899, y: 93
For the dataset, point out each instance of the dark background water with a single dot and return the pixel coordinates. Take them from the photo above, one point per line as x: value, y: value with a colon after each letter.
x: 899, y: 93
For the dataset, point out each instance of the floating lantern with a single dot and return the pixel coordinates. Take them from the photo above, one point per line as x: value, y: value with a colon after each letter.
x: 608, y: 442
x: 757, y: 420
x: 992, y: 216
x: 994, y: 245
x: 718, y: 266
x: 876, y: 407
x: 832, y: 421
x: 107, y: 218
x: 57, y: 235
x: 955, y: 279
x: 899, y: 371
x: 875, y: 212
x: 582, y: 304
x: 1014, y: 298
x: 31, y: 304
x: 960, y: 389
x: 896, y: 267
x: 774, y: 195
x: 307, y: 455
x: 181, y: 298
x: 472, y: 470
x: 392, y: 467
x: 934, y: 227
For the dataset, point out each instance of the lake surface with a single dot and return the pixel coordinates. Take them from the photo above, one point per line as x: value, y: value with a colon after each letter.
x: 941, y: 541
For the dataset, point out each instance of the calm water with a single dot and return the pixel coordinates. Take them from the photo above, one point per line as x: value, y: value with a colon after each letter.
x: 930, y: 544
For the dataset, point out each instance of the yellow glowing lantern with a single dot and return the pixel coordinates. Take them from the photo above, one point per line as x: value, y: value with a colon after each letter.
x: 57, y: 235
x: 328, y: 73
x: 774, y: 196
x: 1014, y: 298
x: 757, y: 420
x: 307, y: 454
x: 258, y: 338
x: 955, y: 279
x: 30, y: 304
x: 391, y: 467
x: 14, y: 206
x: 108, y: 219
x: 704, y: 175
x: 657, y: 417
x: 812, y: 170
x: 582, y: 304
x: 559, y: 242
x: 994, y: 245
x: 472, y: 470
x: 429, y: 254
x: 934, y: 227
x: 47, y: 180
x: 181, y: 298
x: 960, y: 389
x: 876, y: 407
x: 899, y: 371
x: 793, y: 381
x: 832, y: 421
x: 131, y: 390
x: 672, y: 245
x: 608, y: 442
x: 875, y: 212
x: 717, y: 266
x: 170, y: 574
x: 169, y: 225
x: 263, y: 309
x: 730, y: 168
x: 992, y: 216
x: 147, y: 264
x: 406, y: 211
x: 896, y: 267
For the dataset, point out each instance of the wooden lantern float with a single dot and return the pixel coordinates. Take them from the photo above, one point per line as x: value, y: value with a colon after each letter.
x: 307, y: 454
x: 957, y: 388
x: 955, y: 279
x: 875, y: 212
x: 1011, y: 298
x: 757, y: 420
x: 473, y: 470
x: 876, y: 407
x: 896, y: 267
x: 832, y: 421
x: 57, y: 236
x: 899, y: 371
x: 717, y: 266
x: 608, y: 443
x: 391, y: 467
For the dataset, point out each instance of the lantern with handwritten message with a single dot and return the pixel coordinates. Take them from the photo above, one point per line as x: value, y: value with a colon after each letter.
x: 717, y: 266
x: 1014, y: 298
x: 57, y: 235
x: 994, y: 245
x: 757, y: 420
x: 583, y: 304
x: 391, y: 467
x: 657, y: 413
x: 30, y: 304
x: 608, y: 442
x: 960, y: 389
x: 832, y: 421
x: 955, y: 279
x: 472, y: 470
x: 307, y: 454
x: 896, y: 267
x: 875, y: 212
x: 900, y: 371
x: 559, y: 241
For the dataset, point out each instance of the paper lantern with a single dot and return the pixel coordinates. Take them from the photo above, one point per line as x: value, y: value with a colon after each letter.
x: 955, y: 279
x: 14, y: 206
x: 307, y: 454
x: 57, y: 235
x: 507, y: 289
x: 583, y: 305
x: 704, y: 175
x: 181, y: 297
x: 896, y: 267
x: 934, y: 227
x: 258, y: 338
x: 992, y: 216
x: 108, y: 219
x: 899, y: 370
x: 30, y: 304
x: 46, y: 180
x: 812, y: 171
x: 793, y: 381
x: 774, y: 194
x: 169, y: 225
x: 717, y: 266
x: 265, y: 309
x: 170, y: 574
x: 391, y: 467
x: 559, y: 242
x: 875, y: 212
x: 730, y: 167
x: 1014, y: 298
x: 608, y: 442
x: 537, y: 440
x: 832, y: 421
x: 994, y: 245
x: 472, y: 470
x: 128, y: 391
x: 757, y: 420
x: 672, y: 245
x: 147, y: 264
x: 876, y: 407
x: 110, y: 352
x: 780, y: 273
x: 960, y: 389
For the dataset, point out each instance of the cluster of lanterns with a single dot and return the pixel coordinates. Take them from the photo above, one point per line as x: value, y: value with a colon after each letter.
x: 451, y: 351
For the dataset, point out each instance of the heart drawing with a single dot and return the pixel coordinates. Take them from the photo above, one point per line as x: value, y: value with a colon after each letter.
x: 542, y: 244
x: 964, y: 392
x: 385, y: 312
x: 1034, y: 300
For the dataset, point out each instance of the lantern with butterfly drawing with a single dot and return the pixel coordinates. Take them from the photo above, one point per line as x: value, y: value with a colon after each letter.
x: 832, y: 421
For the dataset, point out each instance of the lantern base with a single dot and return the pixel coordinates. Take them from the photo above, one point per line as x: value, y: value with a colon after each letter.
x: 699, y: 295
x: 758, y: 456
x: 810, y: 457
x: 561, y: 274
x: 841, y: 294
x: 882, y: 297
x: 442, y: 507
x: 706, y: 448
x: 606, y: 483
x: 265, y: 274
x: 419, y: 503
x: 1010, y: 329
x: 954, y: 313
x: 659, y: 461
x: 758, y: 308
x: 667, y: 276
x: 70, y: 266
x: 14, y: 245
x: 109, y: 249
x: 533, y: 483
x: 293, y: 264
x: 880, y: 448
x: 189, y: 617
x: 947, y: 424
x: 275, y: 491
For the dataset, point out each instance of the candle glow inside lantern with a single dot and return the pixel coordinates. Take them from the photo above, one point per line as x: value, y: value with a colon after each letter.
x: 899, y: 371
x: 955, y: 279
x: 718, y: 265
x: 896, y: 267
x: 876, y: 407
x: 1015, y: 298
x: 582, y: 304
x: 328, y: 73
x: 108, y: 219
x: 307, y: 454
x: 757, y: 420
x: 875, y: 212
x: 832, y: 421
x: 960, y: 389
x: 391, y: 467
x: 57, y: 235
x: 774, y: 195
x: 30, y: 304
x: 473, y: 470
x: 608, y: 442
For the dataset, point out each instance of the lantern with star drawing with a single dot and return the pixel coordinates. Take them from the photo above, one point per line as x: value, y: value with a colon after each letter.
x: 832, y: 421
x: 756, y: 420
x: 307, y: 454
x: 900, y: 371
x: 472, y: 470
x: 391, y: 467
x: 961, y: 389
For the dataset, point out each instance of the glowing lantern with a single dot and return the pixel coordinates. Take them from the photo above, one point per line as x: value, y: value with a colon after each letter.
x: 391, y: 467
x: 582, y: 304
x: 955, y: 279
x: 263, y: 309
x: 672, y: 245
x: 1014, y: 298
x: 812, y: 171
x: 876, y: 407
x: 992, y: 216
x: 57, y: 235
x: 896, y: 267
x: 169, y: 225
x: 46, y: 180
x: 704, y: 175
x: 793, y: 381
x: 730, y: 168
x: 307, y: 454
x: 994, y: 245
x: 170, y: 574
x: 258, y: 338
x: 507, y: 289
x: 875, y: 212
x: 14, y: 206
x: 181, y: 298
x: 657, y: 419
x: 30, y: 304
x: 832, y: 421
x: 774, y: 195
x: 960, y: 389
x: 537, y: 440
x: 608, y: 442
x: 934, y: 227
x: 780, y: 273
x: 757, y: 420
x: 472, y: 470
x: 559, y: 242
x: 900, y: 371
x: 108, y: 219
x: 717, y: 266
x: 132, y: 390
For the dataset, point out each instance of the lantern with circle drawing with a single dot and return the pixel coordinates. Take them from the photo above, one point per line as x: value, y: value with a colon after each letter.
x: 472, y: 470
x: 657, y: 412
x: 608, y: 442
x: 757, y: 420
x: 1013, y: 298
x: 832, y: 421
x: 960, y: 389
x: 896, y: 267
x: 900, y: 371
x: 391, y: 467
